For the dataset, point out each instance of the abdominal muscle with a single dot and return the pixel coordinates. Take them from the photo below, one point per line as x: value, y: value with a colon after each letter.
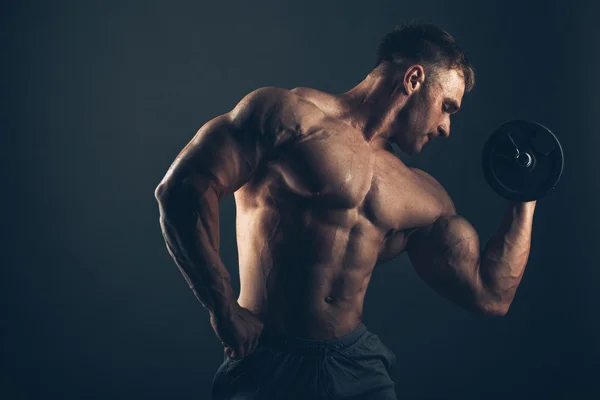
x: 305, y: 272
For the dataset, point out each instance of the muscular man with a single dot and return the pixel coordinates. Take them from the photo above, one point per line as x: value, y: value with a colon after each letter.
x: 321, y: 199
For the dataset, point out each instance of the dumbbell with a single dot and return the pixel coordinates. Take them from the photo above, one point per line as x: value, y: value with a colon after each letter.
x: 522, y: 160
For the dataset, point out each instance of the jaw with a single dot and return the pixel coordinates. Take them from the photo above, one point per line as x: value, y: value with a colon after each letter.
x: 410, y: 150
x: 411, y: 147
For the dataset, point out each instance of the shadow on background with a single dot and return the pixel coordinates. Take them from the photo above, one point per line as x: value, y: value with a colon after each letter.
x: 101, y: 97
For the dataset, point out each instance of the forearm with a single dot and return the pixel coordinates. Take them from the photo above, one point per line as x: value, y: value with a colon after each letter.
x: 505, y: 256
x: 190, y: 227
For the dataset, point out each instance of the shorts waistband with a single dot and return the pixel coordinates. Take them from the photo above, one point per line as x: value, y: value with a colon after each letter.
x: 288, y: 342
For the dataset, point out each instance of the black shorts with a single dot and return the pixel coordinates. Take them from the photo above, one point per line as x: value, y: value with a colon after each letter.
x: 355, y: 367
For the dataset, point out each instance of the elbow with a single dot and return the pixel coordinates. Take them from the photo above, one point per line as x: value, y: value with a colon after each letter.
x: 492, y: 309
x: 166, y: 197
x: 160, y: 193
x: 166, y: 190
x: 178, y: 190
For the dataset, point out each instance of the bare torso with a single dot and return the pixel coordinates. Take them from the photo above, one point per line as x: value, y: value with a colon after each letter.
x: 316, y: 218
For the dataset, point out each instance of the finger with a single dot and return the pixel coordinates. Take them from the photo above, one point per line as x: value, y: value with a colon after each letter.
x: 254, y: 345
x: 245, y: 348
x: 240, y: 351
x: 249, y: 349
x: 230, y: 352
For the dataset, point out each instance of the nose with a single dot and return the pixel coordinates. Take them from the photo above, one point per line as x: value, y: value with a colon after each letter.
x: 444, y: 129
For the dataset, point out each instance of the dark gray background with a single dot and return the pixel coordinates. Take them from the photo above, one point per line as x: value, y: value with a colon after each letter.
x: 99, y: 97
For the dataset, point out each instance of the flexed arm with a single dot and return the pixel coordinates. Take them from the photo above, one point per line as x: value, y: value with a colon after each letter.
x: 447, y: 256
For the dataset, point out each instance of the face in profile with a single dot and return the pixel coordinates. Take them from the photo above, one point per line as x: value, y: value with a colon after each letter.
x: 427, y: 112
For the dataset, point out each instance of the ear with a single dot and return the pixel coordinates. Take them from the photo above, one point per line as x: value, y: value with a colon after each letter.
x: 413, y: 78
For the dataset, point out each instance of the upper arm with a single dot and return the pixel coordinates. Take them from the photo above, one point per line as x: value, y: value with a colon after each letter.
x: 226, y: 150
x: 446, y: 253
x: 446, y: 256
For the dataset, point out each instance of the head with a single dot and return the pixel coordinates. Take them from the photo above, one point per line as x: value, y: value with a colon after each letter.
x: 427, y: 74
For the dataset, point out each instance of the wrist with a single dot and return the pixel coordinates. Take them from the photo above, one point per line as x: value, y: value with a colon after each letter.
x: 523, y: 207
x: 223, y: 307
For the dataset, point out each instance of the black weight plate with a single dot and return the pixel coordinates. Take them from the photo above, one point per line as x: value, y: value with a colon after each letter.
x: 541, y: 158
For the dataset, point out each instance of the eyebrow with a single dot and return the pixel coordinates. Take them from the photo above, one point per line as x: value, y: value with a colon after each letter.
x: 453, y: 104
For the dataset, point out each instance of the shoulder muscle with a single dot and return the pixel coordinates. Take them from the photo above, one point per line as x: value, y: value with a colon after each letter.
x: 437, y: 190
x: 227, y: 149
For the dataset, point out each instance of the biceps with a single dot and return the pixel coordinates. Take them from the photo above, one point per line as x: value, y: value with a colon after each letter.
x: 446, y: 256
x: 220, y: 154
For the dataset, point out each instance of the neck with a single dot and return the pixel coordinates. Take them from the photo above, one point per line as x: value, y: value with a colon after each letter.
x: 371, y: 107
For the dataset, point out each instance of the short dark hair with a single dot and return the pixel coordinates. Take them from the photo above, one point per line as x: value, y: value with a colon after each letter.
x: 423, y: 44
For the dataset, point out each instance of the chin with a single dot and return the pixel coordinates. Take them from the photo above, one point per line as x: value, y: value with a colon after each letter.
x: 410, y: 151
x: 409, y: 148
x: 418, y: 149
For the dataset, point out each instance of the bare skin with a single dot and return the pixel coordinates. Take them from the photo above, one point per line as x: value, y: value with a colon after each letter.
x: 321, y: 199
